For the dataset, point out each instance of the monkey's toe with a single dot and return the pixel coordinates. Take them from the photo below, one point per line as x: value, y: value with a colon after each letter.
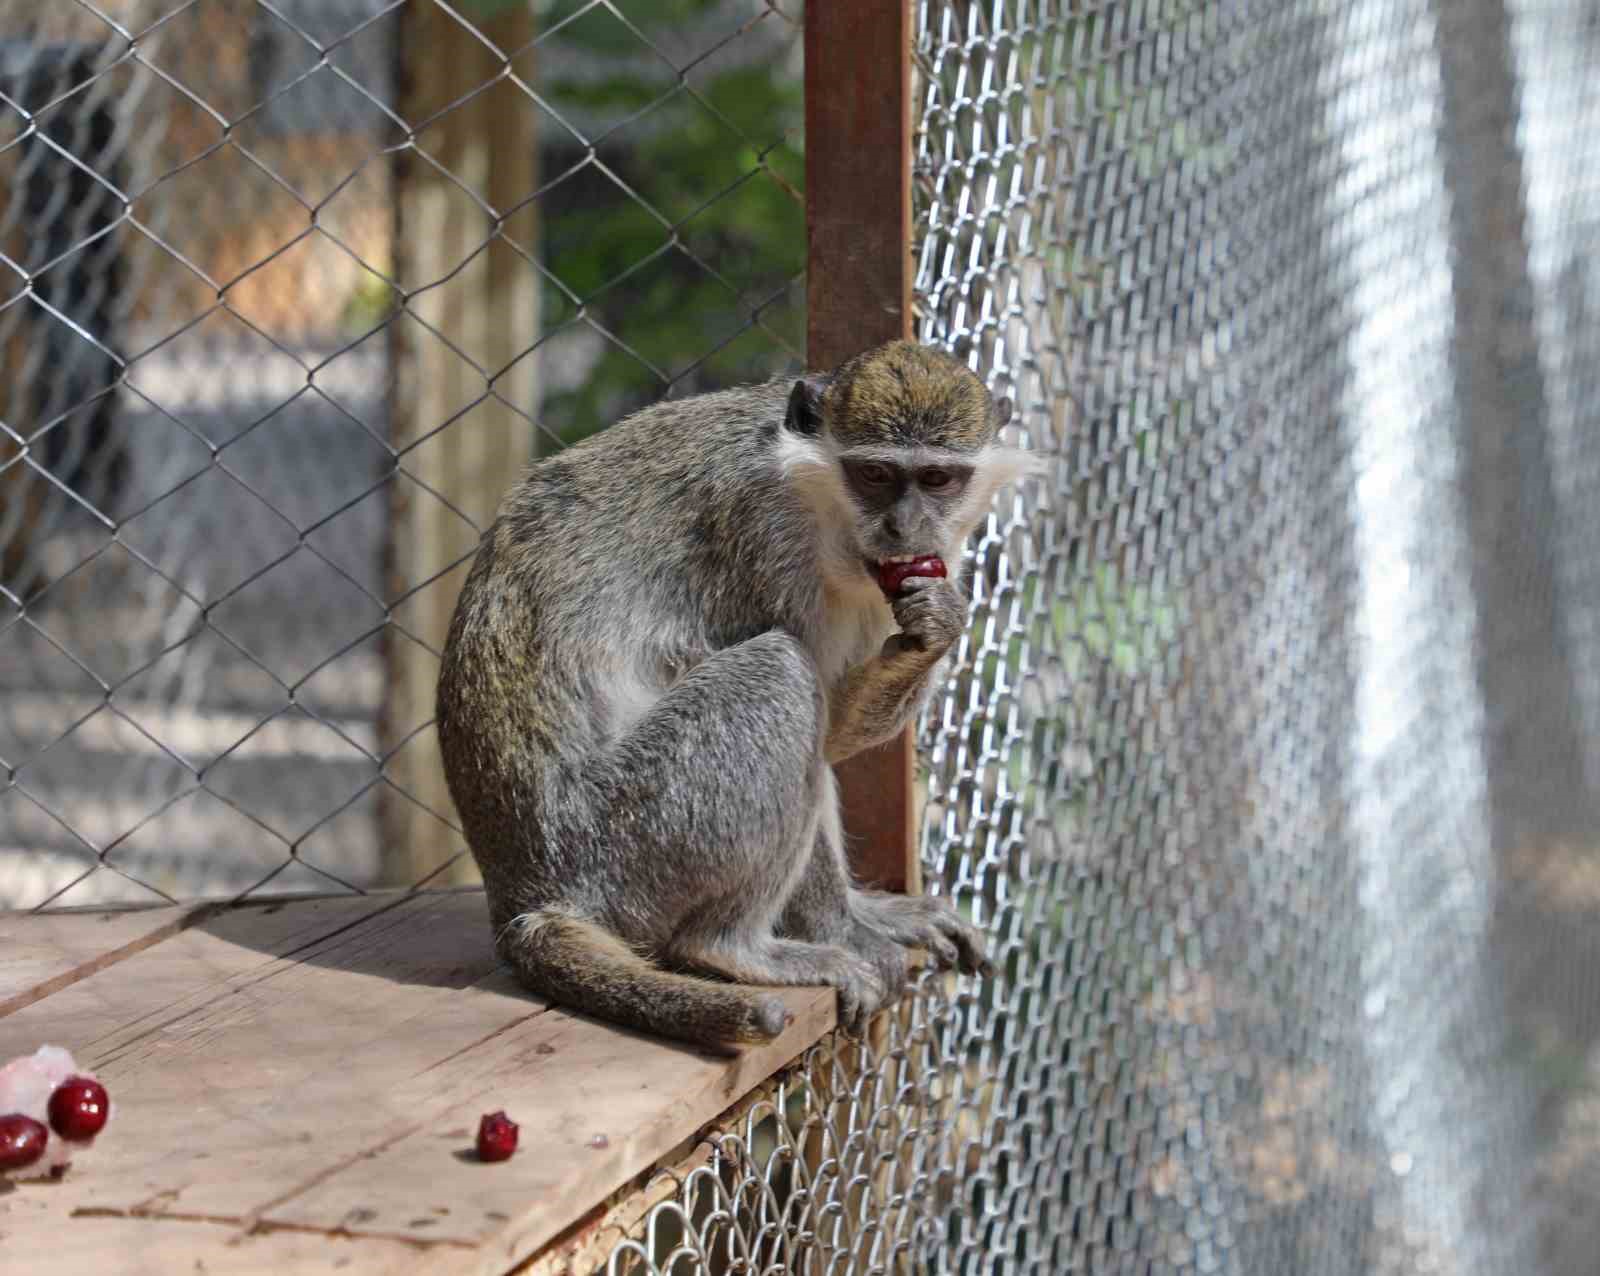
x: 888, y: 960
x: 771, y: 1017
x: 944, y: 953
x: 930, y: 923
x: 972, y: 948
x: 855, y: 1010
x: 955, y: 942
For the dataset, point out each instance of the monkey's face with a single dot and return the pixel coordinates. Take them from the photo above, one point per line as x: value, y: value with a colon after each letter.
x: 908, y: 502
x: 897, y: 453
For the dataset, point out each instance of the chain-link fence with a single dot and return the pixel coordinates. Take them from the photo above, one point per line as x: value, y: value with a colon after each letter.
x: 289, y: 292
x: 1271, y: 759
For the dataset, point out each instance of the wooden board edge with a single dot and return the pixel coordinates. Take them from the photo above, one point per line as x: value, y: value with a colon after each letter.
x: 182, y: 918
x: 584, y: 1247
x: 529, y: 1237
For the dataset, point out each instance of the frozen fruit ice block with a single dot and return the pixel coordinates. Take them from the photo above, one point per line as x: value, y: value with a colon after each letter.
x: 26, y: 1084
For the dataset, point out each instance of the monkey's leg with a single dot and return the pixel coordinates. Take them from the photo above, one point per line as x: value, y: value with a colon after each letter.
x: 715, y: 791
x: 826, y: 905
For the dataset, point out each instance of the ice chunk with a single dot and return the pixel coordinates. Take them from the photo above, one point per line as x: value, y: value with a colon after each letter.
x: 26, y: 1084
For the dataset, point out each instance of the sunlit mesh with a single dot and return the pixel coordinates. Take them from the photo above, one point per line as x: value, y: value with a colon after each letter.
x: 1212, y: 768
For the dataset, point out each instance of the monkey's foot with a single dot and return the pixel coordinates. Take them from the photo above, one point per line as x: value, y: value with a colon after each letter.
x: 929, y: 923
x: 861, y: 985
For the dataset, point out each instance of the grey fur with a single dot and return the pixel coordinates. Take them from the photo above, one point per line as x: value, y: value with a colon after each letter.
x: 671, y: 630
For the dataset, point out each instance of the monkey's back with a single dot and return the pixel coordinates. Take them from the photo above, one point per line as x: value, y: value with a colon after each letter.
x: 611, y: 568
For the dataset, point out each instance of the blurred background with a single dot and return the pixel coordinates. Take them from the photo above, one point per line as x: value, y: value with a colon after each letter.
x: 237, y: 527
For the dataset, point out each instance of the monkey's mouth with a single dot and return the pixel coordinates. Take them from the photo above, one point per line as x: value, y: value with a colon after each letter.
x: 876, y: 567
x: 892, y: 572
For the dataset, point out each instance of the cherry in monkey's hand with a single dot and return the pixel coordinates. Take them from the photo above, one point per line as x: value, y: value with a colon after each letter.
x: 891, y: 576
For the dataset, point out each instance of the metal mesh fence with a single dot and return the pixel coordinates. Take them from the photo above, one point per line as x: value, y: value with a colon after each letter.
x: 277, y: 326
x: 1270, y: 761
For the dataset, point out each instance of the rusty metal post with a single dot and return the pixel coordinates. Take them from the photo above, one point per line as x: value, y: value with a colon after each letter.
x: 858, y: 294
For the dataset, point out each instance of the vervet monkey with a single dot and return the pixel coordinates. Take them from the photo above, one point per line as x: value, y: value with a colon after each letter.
x: 672, y: 631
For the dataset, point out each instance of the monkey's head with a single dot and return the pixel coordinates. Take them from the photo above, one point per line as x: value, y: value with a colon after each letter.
x: 897, y: 451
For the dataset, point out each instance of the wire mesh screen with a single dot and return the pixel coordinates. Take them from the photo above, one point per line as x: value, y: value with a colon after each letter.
x: 1270, y: 759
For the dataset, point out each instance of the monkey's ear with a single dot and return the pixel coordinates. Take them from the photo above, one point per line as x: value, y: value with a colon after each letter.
x: 1002, y: 412
x: 805, y: 404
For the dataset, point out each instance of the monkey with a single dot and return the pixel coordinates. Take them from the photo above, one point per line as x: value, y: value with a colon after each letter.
x: 671, y: 632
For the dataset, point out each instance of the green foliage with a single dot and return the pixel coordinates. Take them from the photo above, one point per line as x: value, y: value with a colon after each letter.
x: 1120, y: 624
x: 371, y: 302
x: 1105, y: 632
x: 682, y: 221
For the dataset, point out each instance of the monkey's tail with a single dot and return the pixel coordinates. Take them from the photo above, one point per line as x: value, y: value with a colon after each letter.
x: 579, y: 964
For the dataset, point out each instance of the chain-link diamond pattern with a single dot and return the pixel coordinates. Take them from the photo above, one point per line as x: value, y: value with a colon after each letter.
x: 229, y: 516
x: 1212, y: 766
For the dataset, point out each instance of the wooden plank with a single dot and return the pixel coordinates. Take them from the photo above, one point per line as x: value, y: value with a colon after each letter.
x: 44, y: 952
x: 597, y: 1105
x: 188, y: 962
x: 89, y: 1221
x: 327, y: 1076
x: 262, y: 1028
x: 586, y: 1245
x: 858, y: 294
x: 31, y: 1224
x: 858, y: 177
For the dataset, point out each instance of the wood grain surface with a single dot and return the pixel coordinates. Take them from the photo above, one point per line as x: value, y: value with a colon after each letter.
x: 300, y: 1082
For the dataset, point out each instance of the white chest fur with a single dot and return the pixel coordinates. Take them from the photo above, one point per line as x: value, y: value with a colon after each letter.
x: 856, y: 620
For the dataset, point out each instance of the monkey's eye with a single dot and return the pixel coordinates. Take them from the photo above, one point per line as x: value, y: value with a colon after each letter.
x: 935, y: 478
x: 876, y: 475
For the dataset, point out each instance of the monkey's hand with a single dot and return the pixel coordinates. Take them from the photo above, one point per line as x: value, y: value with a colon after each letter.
x: 931, y: 612
x: 874, y: 702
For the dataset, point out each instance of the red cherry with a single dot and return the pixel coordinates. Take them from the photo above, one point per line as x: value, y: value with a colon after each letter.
x: 497, y: 1137
x: 891, y: 576
x: 22, y: 1141
x: 78, y: 1109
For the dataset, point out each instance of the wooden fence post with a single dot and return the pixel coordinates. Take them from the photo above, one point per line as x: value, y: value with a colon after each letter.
x: 464, y: 280
x: 858, y: 295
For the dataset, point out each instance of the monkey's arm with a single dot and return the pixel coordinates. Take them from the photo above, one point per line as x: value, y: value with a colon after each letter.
x: 875, y: 701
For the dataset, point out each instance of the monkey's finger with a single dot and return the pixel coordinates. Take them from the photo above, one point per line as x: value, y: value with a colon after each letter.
x: 852, y: 1015
x: 943, y: 951
x: 974, y: 960
x: 915, y: 613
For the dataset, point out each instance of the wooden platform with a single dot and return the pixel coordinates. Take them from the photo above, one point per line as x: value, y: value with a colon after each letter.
x: 296, y: 1086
